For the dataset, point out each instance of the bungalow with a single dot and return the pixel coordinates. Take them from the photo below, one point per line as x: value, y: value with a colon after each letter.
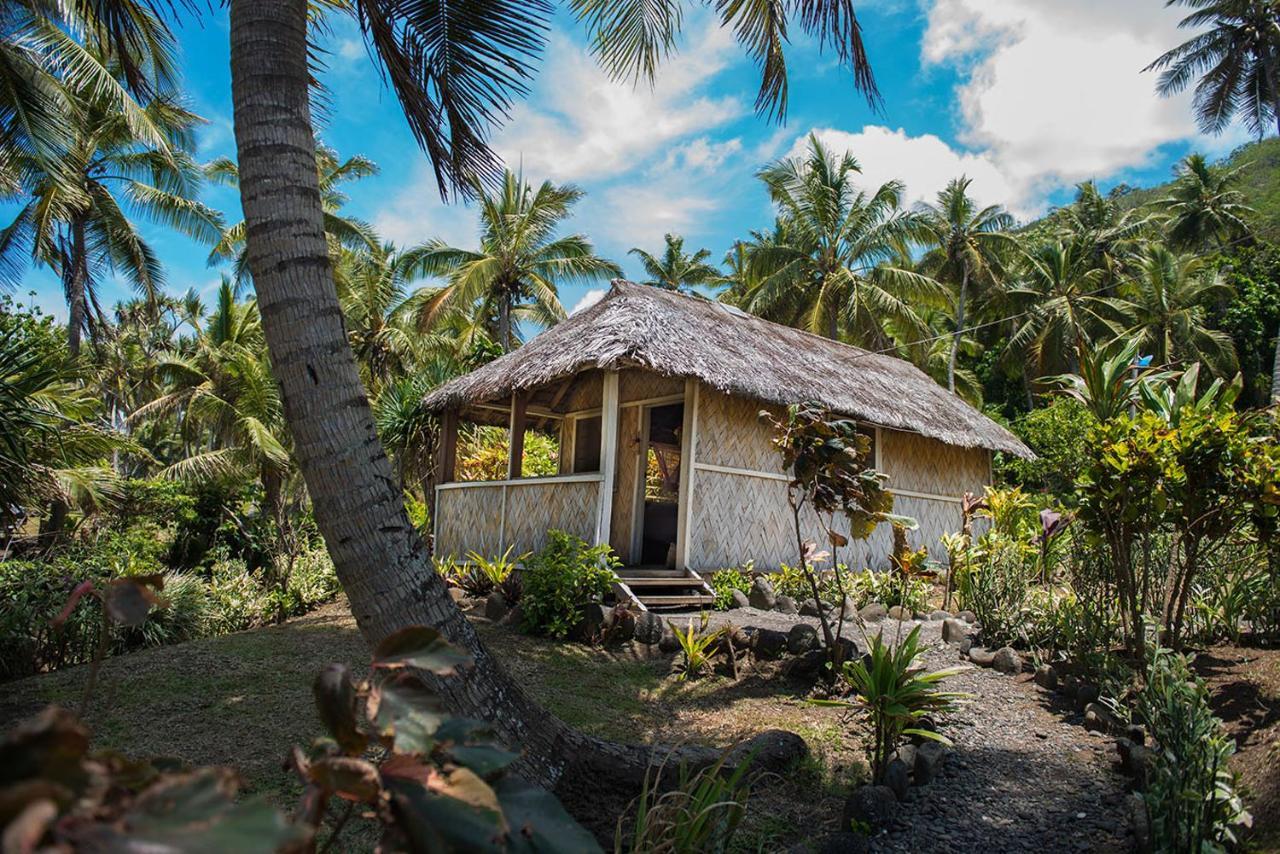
x: 654, y: 399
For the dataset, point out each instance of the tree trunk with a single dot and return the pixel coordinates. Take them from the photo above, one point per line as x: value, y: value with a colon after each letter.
x: 1275, y: 371
x: 504, y: 323
x: 955, y: 339
x: 379, y: 557
x: 75, y: 279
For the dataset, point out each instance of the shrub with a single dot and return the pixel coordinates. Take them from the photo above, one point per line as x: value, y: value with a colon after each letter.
x: 238, y: 600
x: 994, y: 585
x: 1191, y: 798
x: 701, y: 813
x: 185, y: 613
x: 314, y: 580
x: 889, y: 589
x: 31, y: 595
x: 560, y: 579
x: 479, y: 576
x: 724, y: 581
x: 697, y: 648
x: 1057, y: 434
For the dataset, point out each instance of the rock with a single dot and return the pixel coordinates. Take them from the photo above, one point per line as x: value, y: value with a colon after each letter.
x: 1139, y: 823
x: 774, y: 750
x: 811, y: 608
x: 738, y: 599
x: 1007, y: 660
x: 1086, y: 693
x: 928, y: 762
x: 907, y: 753
x: 897, y: 776
x: 495, y: 607
x: 846, y: 842
x: 1136, y: 733
x: 872, y: 612
x: 1097, y: 718
x: 966, y: 644
x: 968, y: 616
x: 785, y: 605
x: 457, y: 594
x: 1047, y: 677
x: 981, y: 656
x: 940, y: 615
x: 515, y: 617
x: 649, y: 628
x: 619, y: 626
x: 849, y: 607
x: 808, y: 665
x: 1069, y: 685
x: 762, y: 595
x: 900, y: 613
x: 869, y: 807
x: 1138, y: 766
x: 592, y: 619
x: 848, y: 650
x: 668, y: 643
x: 802, y: 638
x: 954, y: 631
x: 768, y: 643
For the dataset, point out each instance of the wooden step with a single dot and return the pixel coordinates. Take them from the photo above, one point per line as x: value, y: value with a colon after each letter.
x: 641, y: 572
x: 686, y: 581
x: 668, y: 601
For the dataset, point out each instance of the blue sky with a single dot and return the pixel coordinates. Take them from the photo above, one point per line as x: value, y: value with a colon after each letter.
x: 1027, y: 97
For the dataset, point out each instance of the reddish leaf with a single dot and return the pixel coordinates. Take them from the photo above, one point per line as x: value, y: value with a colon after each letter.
x: 422, y: 648
x: 129, y: 600
x: 335, y: 695
x: 76, y: 595
x: 347, y: 777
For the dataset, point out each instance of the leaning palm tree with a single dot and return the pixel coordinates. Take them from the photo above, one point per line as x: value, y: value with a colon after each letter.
x: 1204, y: 206
x: 1112, y: 234
x: 1236, y: 58
x: 677, y: 270
x: 1063, y: 309
x: 79, y: 217
x: 838, y: 261
x: 520, y: 264
x: 969, y: 246
x: 1169, y: 304
x: 456, y: 69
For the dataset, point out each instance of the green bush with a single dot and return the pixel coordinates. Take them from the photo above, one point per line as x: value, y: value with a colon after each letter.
x: 889, y: 589
x: 1057, y: 433
x: 314, y: 580
x: 560, y: 579
x: 31, y: 595
x: 1191, y: 796
x: 238, y: 599
x: 994, y: 586
x: 724, y: 581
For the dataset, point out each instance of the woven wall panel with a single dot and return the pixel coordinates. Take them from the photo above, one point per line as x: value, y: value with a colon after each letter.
x: 588, y: 387
x: 935, y: 517
x: 730, y: 433
x: 468, y: 519
x: 626, y: 487
x: 921, y: 464
x: 533, y: 509
x: 637, y: 384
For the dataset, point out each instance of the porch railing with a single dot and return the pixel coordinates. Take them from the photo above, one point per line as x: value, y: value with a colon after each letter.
x: 489, y: 516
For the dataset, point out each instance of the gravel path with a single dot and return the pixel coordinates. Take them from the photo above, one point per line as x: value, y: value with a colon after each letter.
x: 1023, y: 774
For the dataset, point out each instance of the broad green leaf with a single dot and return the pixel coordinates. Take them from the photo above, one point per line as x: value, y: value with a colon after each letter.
x: 404, y: 711
x: 419, y: 647
x: 335, y: 695
x: 460, y: 810
x: 347, y: 777
x: 539, y: 822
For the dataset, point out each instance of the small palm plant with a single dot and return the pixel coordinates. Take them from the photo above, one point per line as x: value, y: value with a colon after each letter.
x: 697, y: 647
x: 895, y: 693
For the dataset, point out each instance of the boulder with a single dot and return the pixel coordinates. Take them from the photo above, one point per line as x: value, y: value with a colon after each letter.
x: 1086, y: 693
x: 649, y: 628
x: 668, y: 643
x: 968, y: 616
x: 774, y: 750
x: 811, y: 608
x: 457, y: 594
x: 940, y: 615
x: 907, y: 753
x: 869, y: 807
x: 900, y: 613
x: 845, y: 842
x: 592, y: 619
x: 928, y: 762
x: 982, y: 656
x: 897, y: 776
x: 495, y: 607
x: 619, y: 626
x: 873, y: 612
x: 1139, y: 823
x: 1136, y: 733
x: 802, y: 638
x: 954, y: 631
x: 738, y: 599
x: 1007, y: 660
x: 785, y: 605
x: 768, y: 643
x: 762, y: 595
x: 849, y: 606
x: 965, y: 645
x: 807, y: 665
x: 1047, y: 677
x: 515, y: 617
x: 1097, y: 718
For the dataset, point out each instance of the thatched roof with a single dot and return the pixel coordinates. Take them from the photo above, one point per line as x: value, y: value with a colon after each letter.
x: 737, y: 353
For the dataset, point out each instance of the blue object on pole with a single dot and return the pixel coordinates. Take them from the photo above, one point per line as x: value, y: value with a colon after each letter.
x: 1144, y: 361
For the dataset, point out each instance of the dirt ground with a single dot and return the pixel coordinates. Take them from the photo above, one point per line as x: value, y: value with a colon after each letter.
x: 1245, y: 685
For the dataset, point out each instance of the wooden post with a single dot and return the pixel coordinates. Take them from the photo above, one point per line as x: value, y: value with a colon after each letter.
x: 515, y: 459
x: 446, y: 462
x: 608, y: 456
x: 688, y: 451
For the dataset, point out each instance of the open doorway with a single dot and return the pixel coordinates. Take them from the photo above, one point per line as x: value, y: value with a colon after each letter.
x: 660, y: 500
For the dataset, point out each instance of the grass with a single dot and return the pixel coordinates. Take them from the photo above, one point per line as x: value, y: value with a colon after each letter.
x: 242, y: 700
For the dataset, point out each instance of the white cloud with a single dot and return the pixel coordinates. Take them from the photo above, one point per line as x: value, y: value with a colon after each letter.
x: 702, y: 154
x: 924, y: 163
x: 640, y: 214
x: 580, y: 124
x: 1054, y: 90
x: 589, y: 299
x: 416, y: 214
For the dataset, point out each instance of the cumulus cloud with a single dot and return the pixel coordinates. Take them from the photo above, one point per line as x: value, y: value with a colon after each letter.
x: 589, y: 299
x: 416, y: 214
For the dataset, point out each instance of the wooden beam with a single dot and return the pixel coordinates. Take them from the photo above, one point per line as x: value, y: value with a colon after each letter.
x: 688, y: 459
x: 608, y: 455
x: 447, y: 453
x: 515, y: 457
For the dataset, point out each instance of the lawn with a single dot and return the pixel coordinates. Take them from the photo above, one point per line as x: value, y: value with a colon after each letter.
x: 243, y: 699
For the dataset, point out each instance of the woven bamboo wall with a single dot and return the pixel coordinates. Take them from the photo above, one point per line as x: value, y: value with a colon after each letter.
x: 625, y: 486
x: 731, y: 434
x: 534, y: 508
x: 468, y: 519
x: 637, y: 384
x: 588, y: 387
x: 921, y: 464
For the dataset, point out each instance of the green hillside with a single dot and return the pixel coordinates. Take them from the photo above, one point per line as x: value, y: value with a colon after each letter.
x: 1259, y: 163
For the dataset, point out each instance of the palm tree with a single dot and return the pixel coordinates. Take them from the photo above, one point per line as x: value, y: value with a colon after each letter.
x: 517, y: 271
x: 78, y: 220
x: 455, y: 68
x: 1237, y: 61
x: 969, y: 245
x: 838, y: 260
x: 1063, y: 308
x: 1204, y: 207
x: 678, y: 270
x: 1111, y: 233
x: 1169, y: 306
x: 342, y: 230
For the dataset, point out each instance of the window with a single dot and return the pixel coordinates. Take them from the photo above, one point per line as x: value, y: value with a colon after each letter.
x: 586, y: 445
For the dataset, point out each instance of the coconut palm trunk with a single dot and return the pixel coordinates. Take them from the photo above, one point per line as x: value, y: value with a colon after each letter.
x: 1275, y: 371
x: 379, y: 557
x: 959, y: 333
x: 76, y: 285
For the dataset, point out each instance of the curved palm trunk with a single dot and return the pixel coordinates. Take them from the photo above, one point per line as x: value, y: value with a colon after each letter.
x: 1275, y: 371
x: 380, y: 559
x: 76, y: 283
x: 955, y: 338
